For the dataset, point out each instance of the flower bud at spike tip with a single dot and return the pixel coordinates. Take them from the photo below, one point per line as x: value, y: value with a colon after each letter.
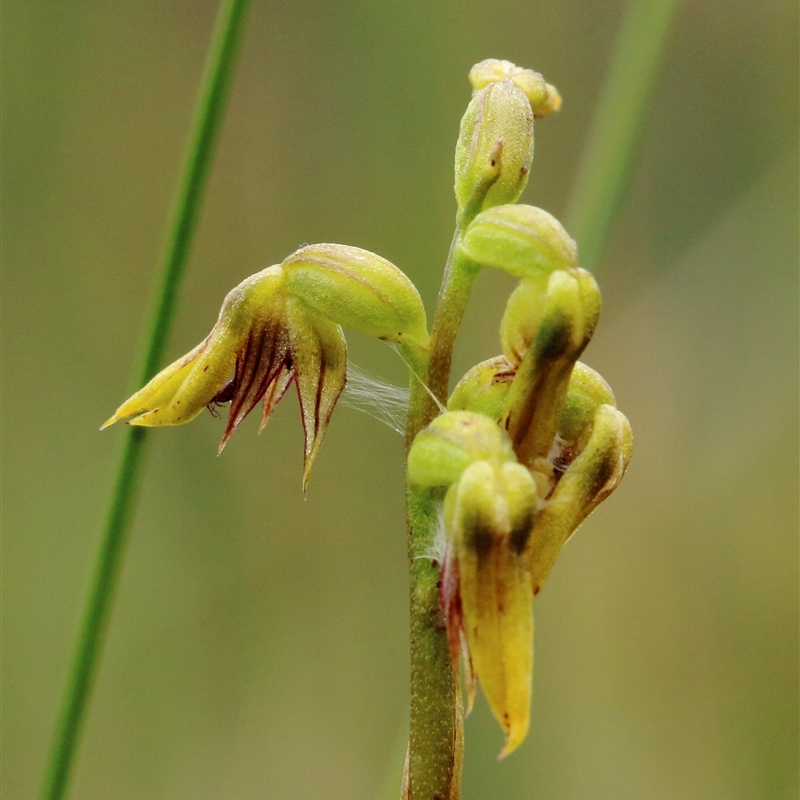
x: 357, y: 289
x: 494, y: 149
x: 522, y: 240
x: 531, y: 83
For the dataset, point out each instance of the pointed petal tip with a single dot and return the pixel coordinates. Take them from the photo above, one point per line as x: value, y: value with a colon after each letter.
x: 109, y: 422
x: 224, y: 441
x: 470, y: 700
x: 515, y: 736
x: 308, y: 465
x: 509, y: 747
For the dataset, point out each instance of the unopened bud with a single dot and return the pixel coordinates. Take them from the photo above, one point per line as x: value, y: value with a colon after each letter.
x: 484, y: 388
x: 493, y: 70
x: 494, y: 149
x: 521, y: 318
x: 453, y: 441
x: 357, y: 289
x: 605, y: 458
x: 522, y: 240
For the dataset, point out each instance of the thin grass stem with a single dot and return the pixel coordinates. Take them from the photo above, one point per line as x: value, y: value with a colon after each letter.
x: 207, y: 119
x: 612, y: 141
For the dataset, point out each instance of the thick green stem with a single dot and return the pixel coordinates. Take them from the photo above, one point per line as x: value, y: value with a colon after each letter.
x: 436, y: 728
x: 435, y: 748
x: 213, y: 92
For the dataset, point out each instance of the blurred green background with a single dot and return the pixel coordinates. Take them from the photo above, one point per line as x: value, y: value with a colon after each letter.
x: 259, y: 643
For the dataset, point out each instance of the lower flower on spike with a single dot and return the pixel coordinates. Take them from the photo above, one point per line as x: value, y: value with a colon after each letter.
x: 268, y: 339
x: 486, y: 589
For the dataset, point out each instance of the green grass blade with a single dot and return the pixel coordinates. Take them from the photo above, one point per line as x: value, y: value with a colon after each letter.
x: 212, y: 95
x: 611, y: 145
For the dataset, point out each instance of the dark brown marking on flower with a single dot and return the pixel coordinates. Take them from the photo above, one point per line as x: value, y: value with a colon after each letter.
x: 536, y: 590
x: 481, y: 540
x: 450, y: 601
x: 318, y: 398
x: 434, y: 563
x: 246, y: 376
x: 521, y: 533
x: 256, y: 367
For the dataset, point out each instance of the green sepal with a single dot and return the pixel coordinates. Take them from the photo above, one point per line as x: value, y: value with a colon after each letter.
x: 320, y: 363
x: 587, y: 391
x: 494, y: 149
x: 453, y: 441
x: 522, y: 240
x: 522, y: 317
x: 357, y: 289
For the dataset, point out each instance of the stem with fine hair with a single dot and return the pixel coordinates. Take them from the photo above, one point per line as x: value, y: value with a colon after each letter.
x: 612, y: 142
x: 208, y: 116
x: 436, y: 737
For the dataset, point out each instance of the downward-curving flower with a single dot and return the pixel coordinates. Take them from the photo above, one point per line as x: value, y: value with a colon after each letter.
x: 486, y: 591
x: 281, y: 326
x: 269, y: 340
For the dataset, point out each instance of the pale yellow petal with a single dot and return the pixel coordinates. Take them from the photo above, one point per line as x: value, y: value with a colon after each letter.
x: 160, y: 389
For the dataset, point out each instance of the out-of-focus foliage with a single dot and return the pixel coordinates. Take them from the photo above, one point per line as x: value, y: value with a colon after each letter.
x: 259, y: 645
